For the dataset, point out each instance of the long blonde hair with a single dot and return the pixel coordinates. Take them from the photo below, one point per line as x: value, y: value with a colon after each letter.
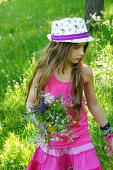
x: 56, y: 56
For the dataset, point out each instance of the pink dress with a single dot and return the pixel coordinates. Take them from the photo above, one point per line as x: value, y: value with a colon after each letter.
x: 63, y: 154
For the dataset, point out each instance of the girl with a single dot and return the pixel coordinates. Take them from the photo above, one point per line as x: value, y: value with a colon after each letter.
x: 62, y: 71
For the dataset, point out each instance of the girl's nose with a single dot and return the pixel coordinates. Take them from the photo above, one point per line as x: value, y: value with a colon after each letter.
x: 81, y: 52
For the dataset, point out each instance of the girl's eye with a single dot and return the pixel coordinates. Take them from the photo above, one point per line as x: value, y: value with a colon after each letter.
x: 76, y: 47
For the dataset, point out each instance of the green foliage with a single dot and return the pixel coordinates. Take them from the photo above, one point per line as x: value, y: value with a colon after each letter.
x: 14, y: 151
x: 100, y: 57
x: 23, y: 29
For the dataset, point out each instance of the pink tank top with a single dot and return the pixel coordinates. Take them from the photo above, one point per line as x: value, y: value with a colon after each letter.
x: 82, y: 136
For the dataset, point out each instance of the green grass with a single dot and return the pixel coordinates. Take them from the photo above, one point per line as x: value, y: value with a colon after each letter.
x: 24, y: 25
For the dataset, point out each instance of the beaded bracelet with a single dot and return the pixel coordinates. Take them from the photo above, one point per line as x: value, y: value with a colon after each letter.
x: 107, y: 129
x: 108, y: 132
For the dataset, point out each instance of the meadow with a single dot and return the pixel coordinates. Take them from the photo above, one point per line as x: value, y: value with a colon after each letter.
x: 24, y: 25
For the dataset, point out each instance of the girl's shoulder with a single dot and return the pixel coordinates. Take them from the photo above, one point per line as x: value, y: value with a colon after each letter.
x: 87, y: 73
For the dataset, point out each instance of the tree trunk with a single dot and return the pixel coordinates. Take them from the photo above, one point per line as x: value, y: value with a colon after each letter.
x: 93, y: 6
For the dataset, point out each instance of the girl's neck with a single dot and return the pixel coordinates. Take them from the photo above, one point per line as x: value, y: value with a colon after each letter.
x: 64, y: 76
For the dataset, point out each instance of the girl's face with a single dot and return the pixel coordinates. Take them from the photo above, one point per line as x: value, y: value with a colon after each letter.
x: 76, y: 54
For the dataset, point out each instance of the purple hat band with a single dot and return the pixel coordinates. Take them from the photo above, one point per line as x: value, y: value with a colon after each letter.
x: 69, y: 37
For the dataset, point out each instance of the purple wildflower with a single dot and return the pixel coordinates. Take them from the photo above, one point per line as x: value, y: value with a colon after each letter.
x: 41, y: 126
x: 41, y: 106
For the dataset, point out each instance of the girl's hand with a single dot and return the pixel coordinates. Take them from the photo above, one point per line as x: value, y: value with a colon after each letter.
x: 109, y: 147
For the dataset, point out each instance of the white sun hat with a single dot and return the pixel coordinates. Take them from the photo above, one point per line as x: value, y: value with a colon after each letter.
x: 72, y: 30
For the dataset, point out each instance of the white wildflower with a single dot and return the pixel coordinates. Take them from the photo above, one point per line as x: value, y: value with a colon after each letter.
x: 24, y: 80
x: 16, y: 86
x: 49, y: 98
x: 93, y: 16
x: 107, y: 22
x: 98, y: 18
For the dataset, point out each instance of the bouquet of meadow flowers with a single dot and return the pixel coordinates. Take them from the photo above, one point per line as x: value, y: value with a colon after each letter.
x: 49, y: 116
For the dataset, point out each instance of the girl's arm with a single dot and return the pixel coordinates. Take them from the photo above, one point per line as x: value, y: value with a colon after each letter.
x: 90, y: 95
x: 94, y: 107
x: 31, y: 100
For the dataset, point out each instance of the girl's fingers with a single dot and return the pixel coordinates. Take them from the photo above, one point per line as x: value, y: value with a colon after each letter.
x: 110, y: 154
x: 109, y: 150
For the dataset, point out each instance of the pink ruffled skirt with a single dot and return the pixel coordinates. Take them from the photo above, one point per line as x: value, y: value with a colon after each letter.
x: 72, y: 158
